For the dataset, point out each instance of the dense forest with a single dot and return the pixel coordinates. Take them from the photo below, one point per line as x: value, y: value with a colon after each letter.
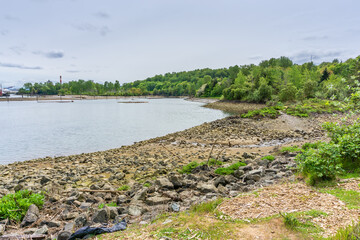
x: 277, y: 79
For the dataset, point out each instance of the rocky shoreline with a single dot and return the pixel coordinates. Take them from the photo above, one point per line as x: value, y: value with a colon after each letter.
x: 140, y: 181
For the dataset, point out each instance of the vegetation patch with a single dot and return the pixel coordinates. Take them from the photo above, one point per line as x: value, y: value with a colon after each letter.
x: 291, y: 149
x: 189, y: 167
x: 15, y: 206
x: 301, y: 221
x: 124, y: 188
x: 207, y: 207
x: 102, y: 205
x: 350, y: 197
x: 229, y: 170
x: 268, y: 157
x: 269, y: 112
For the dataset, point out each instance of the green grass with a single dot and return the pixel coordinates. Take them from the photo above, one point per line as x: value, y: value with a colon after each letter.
x: 15, y: 206
x: 124, y: 188
x: 214, y: 162
x: 147, y: 185
x: 268, y: 157
x: 350, y: 197
x: 301, y: 221
x: 229, y: 170
x: 189, y: 167
x: 351, y: 232
x: 290, y: 149
x: 207, y: 207
x: 269, y: 112
x: 102, y: 205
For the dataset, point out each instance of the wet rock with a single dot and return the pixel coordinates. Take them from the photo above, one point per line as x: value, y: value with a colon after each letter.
x: 101, y: 216
x: 31, y: 216
x: 157, y: 200
x: 164, y: 183
x: 64, y: 235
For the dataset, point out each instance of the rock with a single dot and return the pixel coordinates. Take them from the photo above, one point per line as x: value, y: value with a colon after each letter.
x: 175, y: 180
x: 51, y: 224
x: 31, y: 216
x: 69, y: 227
x: 122, y: 199
x: 113, y: 212
x: 141, y: 194
x: 18, y: 187
x: 175, y: 207
x: 101, y: 216
x: 3, y: 192
x: 135, y: 210
x: 30, y: 231
x: 255, y: 177
x: 81, y: 220
x: 157, y: 200
x: 206, y: 187
x: 85, y: 205
x: 239, y: 173
x: 44, y: 180
x: 41, y: 231
x: 164, y: 183
x: 220, y: 180
x: 230, y: 179
x: 70, y: 200
x: 2, y: 229
x: 64, y: 235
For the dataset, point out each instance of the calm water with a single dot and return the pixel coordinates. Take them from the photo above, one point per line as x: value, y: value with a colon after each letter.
x: 31, y: 130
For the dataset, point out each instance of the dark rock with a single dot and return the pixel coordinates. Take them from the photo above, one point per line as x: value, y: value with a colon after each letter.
x: 113, y: 212
x: 41, y: 231
x: 18, y: 187
x: 141, y: 194
x: 31, y: 216
x: 80, y: 221
x: 255, y: 177
x: 230, y: 179
x: 85, y: 205
x: 220, y: 180
x: 101, y: 216
x: 44, y: 180
x: 206, y: 187
x: 239, y: 173
x: 51, y: 224
x: 30, y: 231
x: 122, y: 199
x: 64, y: 235
x: 176, y: 181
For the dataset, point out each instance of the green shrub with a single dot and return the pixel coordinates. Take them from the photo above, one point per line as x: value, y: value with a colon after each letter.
x: 15, y: 206
x: 319, y: 164
x: 189, y: 167
x: 229, y: 170
x: 268, y: 157
x: 147, y: 185
x: 124, y: 188
x: 270, y: 112
x: 214, y: 162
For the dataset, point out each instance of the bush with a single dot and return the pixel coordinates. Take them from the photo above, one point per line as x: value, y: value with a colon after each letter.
x: 270, y: 112
x: 319, y: 164
x: 15, y: 206
x: 214, y: 162
x: 229, y: 170
x: 291, y: 149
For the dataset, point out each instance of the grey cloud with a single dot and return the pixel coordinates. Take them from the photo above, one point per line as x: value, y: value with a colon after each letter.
x: 102, y: 15
x: 255, y: 57
x: 72, y: 71
x: 11, y: 65
x: 51, y: 54
x: 315, y: 38
x: 316, y: 55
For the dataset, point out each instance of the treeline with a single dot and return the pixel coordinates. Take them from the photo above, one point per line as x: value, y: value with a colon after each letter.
x: 277, y: 79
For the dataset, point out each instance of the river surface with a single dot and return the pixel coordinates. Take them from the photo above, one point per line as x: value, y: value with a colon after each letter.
x: 31, y: 130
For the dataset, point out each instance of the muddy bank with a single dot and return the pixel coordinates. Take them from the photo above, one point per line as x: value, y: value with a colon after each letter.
x: 233, y: 106
x: 77, y: 185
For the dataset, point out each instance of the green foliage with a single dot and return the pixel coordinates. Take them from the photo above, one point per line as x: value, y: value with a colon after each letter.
x: 147, y: 185
x: 189, y: 167
x: 15, y: 206
x: 229, y: 170
x: 268, y: 157
x: 270, y: 112
x: 207, y: 207
x: 351, y: 232
x: 290, y: 149
x: 102, y: 205
x: 124, y: 188
x: 214, y: 162
x: 301, y: 221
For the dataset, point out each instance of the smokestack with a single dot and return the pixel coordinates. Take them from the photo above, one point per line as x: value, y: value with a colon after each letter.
x: 60, y: 80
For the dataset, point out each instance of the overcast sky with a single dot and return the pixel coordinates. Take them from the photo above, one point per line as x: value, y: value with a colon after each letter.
x: 130, y: 40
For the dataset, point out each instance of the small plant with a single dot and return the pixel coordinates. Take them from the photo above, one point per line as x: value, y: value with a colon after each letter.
x: 270, y: 112
x: 147, y: 184
x: 15, y: 206
x: 189, y: 167
x: 301, y: 221
x: 268, y: 157
x: 124, y: 188
x: 214, y: 162
x: 102, y: 205
x: 229, y: 170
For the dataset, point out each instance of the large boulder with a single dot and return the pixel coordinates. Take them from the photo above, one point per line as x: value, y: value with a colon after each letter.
x: 164, y: 183
x: 135, y: 210
x: 157, y: 200
x: 31, y: 216
x: 101, y: 216
x: 206, y: 187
